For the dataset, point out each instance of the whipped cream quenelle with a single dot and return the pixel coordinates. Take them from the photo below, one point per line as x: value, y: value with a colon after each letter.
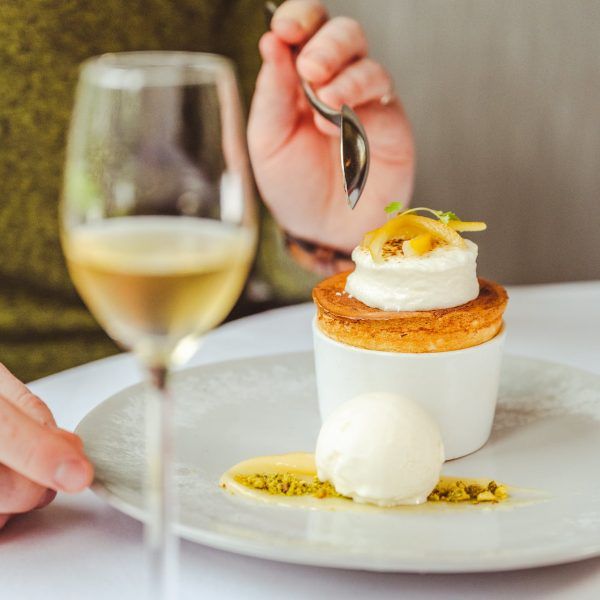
x: 382, y: 449
x: 442, y: 278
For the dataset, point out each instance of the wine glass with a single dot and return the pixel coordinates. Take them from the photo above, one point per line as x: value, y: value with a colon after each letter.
x: 158, y: 227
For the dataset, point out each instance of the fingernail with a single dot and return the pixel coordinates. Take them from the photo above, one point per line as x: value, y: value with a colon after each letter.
x: 71, y: 475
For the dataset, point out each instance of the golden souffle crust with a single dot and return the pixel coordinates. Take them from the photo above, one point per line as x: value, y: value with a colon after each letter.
x: 347, y: 320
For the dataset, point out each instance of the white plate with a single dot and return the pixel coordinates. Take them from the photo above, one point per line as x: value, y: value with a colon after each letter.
x: 546, y: 437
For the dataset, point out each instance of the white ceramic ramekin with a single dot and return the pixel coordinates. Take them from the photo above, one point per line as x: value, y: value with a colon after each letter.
x: 458, y: 388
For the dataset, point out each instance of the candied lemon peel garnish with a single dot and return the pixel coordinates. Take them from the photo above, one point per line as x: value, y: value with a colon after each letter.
x: 408, y: 227
x: 418, y: 246
x: 418, y: 233
x: 467, y: 225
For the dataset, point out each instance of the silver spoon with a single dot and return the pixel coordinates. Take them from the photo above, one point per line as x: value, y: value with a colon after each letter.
x: 354, y: 145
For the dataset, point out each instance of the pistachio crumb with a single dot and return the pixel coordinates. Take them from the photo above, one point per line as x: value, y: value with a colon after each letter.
x: 447, y: 490
x: 288, y: 484
x: 459, y: 491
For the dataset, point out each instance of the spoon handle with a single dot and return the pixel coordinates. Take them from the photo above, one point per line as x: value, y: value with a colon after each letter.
x: 332, y: 115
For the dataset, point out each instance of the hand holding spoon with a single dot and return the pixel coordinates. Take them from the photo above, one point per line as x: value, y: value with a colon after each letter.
x: 354, y: 145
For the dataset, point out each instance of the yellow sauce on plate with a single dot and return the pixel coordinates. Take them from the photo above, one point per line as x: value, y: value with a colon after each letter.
x: 291, y: 480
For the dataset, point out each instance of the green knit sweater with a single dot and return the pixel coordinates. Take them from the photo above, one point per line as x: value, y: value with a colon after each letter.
x: 44, y: 327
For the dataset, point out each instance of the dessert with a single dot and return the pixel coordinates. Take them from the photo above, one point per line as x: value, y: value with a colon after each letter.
x: 381, y: 449
x: 306, y: 490
x: 376, y: 449
x: 413, y: 319
x: 346, y: 319
x: 291, y: 480
x: 414, y: 289
x: 407, y: 353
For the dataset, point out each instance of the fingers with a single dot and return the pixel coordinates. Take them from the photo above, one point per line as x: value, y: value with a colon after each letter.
x: 41, y: 454
x: 295, y: 21
x: 19, y: 394
x: 274, y: 110
x: 72, y: 438
x: 34, y: 451
x: 362, y: 82
x: 339, y: 42
x: 19, y: 494
x: 47, y: 498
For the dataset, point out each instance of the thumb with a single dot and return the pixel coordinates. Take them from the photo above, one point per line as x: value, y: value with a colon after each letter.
x: 274, y: 112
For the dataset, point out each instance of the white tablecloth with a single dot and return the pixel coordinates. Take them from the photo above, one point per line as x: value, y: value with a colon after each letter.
x: 80, y: 548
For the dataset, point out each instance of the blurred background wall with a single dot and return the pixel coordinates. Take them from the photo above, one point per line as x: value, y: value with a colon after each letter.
x: 504, y: 98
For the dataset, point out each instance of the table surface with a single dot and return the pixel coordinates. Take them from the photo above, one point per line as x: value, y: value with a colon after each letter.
x: 79, y: 547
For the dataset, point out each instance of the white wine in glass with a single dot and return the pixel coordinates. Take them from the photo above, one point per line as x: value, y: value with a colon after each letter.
x: 158, y: 229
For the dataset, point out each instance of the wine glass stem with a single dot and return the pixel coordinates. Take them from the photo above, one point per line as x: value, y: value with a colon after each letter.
x: 161, y: 544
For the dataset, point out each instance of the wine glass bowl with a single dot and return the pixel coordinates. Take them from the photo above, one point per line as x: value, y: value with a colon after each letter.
x: 160, y: 136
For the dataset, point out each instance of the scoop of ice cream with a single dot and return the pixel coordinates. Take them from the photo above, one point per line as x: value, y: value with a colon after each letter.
x: 442, y: 278
x: 382, y: 449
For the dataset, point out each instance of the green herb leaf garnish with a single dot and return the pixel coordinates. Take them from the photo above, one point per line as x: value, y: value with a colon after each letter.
x: 393, y: 207
x: 447, y: 216
x: 444, y: 216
